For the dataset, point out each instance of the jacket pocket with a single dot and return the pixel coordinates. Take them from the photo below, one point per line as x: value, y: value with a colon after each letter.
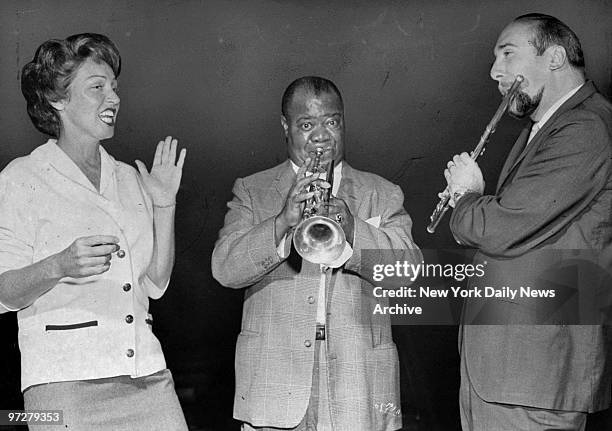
x: 71, y: 326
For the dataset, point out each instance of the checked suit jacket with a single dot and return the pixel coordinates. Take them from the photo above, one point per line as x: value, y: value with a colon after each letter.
x: 554, y: 196
x: 274, y: 351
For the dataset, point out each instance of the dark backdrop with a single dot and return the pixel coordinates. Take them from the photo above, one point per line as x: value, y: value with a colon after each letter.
x: 414, y: 75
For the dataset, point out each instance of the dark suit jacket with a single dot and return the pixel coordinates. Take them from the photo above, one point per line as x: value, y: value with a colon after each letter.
x: 274, y: 351
x: 553, y: 196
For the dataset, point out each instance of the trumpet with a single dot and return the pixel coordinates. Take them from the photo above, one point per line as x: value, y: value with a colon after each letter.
x: 317, y: 238
x: 443, y: 204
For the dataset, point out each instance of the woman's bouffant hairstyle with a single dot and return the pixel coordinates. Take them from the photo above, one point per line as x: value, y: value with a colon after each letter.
x: 46, y: 78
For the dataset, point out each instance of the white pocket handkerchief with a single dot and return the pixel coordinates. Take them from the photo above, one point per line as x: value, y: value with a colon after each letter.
x: 374, y: 221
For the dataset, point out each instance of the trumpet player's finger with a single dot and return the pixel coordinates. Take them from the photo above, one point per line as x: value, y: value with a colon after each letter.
x: 307, y: 180
x: 300, y: 185
x: 311, y: 164
x: 302, y: 169
x: 302, y: 196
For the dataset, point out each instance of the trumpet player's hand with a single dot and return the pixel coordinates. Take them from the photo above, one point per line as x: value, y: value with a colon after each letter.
x: 291, y: 213
x: 340, y: 212
x: 463, y: 175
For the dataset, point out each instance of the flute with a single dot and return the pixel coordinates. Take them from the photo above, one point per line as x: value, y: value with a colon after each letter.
x: 443, y: 204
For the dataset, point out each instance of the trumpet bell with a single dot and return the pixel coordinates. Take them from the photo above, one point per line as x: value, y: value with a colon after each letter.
x: 319, y: 240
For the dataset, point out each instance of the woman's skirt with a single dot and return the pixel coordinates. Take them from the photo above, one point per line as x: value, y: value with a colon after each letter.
x: 113, y: 404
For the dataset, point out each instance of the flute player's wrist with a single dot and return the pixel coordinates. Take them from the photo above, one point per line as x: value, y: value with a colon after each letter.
x: 456, y: 193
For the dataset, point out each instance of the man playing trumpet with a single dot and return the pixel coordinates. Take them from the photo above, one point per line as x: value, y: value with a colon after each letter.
x: 308, y: 355
x: 554, y: 194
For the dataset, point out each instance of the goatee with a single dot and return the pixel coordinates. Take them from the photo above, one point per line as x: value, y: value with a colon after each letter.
x: 524, y: 105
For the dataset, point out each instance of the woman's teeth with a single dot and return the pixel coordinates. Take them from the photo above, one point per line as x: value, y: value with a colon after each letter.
x: 108, y: 116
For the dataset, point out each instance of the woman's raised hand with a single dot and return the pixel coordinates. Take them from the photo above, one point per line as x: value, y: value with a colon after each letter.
x: 162, y: 183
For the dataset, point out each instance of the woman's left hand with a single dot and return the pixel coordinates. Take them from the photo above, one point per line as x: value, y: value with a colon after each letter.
x: 162, y: 183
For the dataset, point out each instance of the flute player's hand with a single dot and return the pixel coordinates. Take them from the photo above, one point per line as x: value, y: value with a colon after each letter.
x: 463, y: 175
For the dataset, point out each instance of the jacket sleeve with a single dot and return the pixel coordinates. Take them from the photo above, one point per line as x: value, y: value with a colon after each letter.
x: 391, y: 240
x: 565, y: 174
x: 245, y: 251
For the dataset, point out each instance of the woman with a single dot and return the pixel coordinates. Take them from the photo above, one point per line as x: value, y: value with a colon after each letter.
x: 85, y: 240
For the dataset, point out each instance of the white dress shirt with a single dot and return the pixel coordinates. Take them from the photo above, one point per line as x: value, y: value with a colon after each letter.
x: 83, y: 328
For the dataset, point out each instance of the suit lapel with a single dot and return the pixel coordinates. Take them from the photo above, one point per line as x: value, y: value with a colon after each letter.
x: 519, y: 152
x: 273, y: 194
x: 284, y: 180
x: 282, y: 183
x: 348, y: 189
x: 518, y: 147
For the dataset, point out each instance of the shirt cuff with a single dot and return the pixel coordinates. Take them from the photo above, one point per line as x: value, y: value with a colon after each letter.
x: 457, y: 195
x: 283, y: 247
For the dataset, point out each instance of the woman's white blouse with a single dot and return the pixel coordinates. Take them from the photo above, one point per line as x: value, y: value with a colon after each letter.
x: 83, y: 328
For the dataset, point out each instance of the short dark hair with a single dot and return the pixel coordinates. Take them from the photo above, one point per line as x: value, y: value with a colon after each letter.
x: 549, y: 31
x: 46, y: 78
x: 315, y: 84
